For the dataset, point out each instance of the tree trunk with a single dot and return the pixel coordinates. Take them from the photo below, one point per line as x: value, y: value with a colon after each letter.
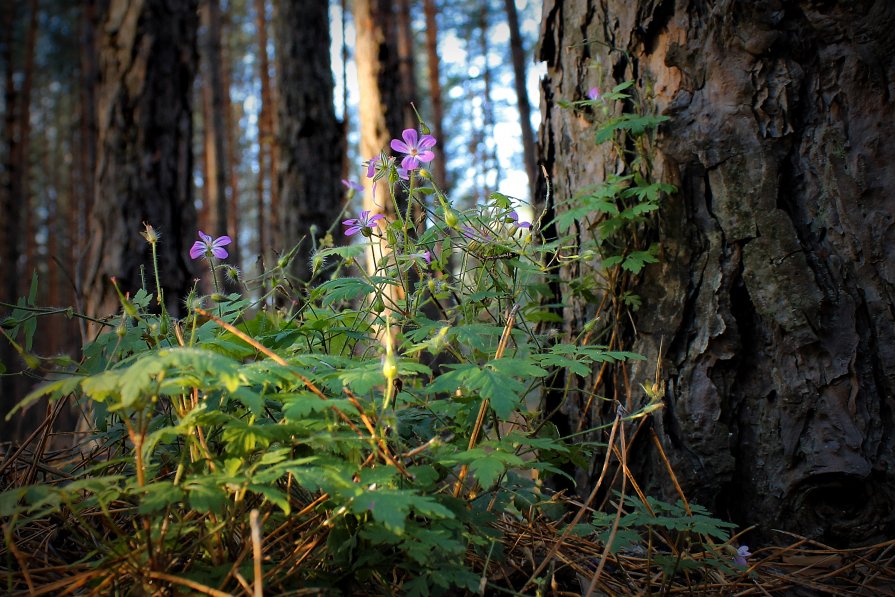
x: 381, y: 105
x: 771, y: 313
x: 517, y: 53
x: 265, y: 133
x: 23, y: 151
x: 144, y: 172
x: 406, y: 61
x: 434, y: 63
x: 487, y: 145
x: 310, y: 136
x: 89, y: 75
x: 216, y: 100
x: 9, y: 227
x: 231, y: 124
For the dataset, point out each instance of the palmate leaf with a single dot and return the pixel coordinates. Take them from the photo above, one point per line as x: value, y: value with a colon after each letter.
x: 633, y: 123
x: 636, y: 260
x: 390, y: 507
x: 343, y: 289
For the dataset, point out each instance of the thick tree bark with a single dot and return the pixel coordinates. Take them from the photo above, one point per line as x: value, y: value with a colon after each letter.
x: 773, y: 305
x: 517, y: 52
x: 310, y: 136
x: 144, y: 171
x: 215, y: 100
x: 434, y: 63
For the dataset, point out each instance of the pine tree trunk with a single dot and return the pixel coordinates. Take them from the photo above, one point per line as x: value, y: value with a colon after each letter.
x: 434, y: 63
x: 265, y: 134
x: 216, y: 100
x: 407, y: 62
x: 517, y: 53
x: 86, y: 160
x: 23, y: 151
x: 144, y: 171
x: 9, y: 227
x: 381, y: 105
x: 231, y: 124
x: 310, y: 136
x: 771, y: 313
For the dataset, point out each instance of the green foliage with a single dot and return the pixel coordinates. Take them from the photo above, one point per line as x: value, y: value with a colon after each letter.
x: 385, y: 417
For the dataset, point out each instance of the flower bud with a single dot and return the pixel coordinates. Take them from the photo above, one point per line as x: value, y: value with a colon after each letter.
x: 150, y: 234
x: 451, y: 218
x: 390, y: 366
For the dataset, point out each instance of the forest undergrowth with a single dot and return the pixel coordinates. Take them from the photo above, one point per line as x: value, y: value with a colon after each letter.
x: 381, y: 429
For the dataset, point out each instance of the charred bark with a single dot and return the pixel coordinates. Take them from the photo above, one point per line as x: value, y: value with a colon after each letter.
x: 773, y: 304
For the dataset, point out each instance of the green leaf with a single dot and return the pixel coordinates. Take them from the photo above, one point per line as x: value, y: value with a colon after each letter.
x: 158, y: 496
x: 343, y: 289
x: 635, y: 261
x: 487, y: 470
x: 205, y: 495
x: 273, y: 495
x: 349, y: 252
x: 517, y: 367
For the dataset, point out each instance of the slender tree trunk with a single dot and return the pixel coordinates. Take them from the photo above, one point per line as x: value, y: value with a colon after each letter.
x: 310, y: 136
x: 434, y: 63
x: 231, y: 124
x: 382, y: 105
x: 86, y: 155
x: 144, y: 171
x: 490, y: 161
x: 771, y: 314
x: 406, y: 61
x: 517, y: 53
x: 216, y: 100
x: 9, y: 227
x: 265, y: 133
x: 23, y: 149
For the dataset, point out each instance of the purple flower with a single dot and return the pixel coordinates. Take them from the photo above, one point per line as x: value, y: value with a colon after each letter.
x: 209, y: 245
x: 363, y: 223
x: 482, y: 236
x: 372, y: 163
x: 742, y: 553
x: 417, y: 149
x: 593, y: 94
x: 514, y: 220
x: 351, y: 185
x: 427, y: 255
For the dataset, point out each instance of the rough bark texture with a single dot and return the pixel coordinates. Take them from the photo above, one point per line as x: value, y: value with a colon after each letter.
x: 774, y: 300
x: 144, y: 171
x: 310, y: 136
